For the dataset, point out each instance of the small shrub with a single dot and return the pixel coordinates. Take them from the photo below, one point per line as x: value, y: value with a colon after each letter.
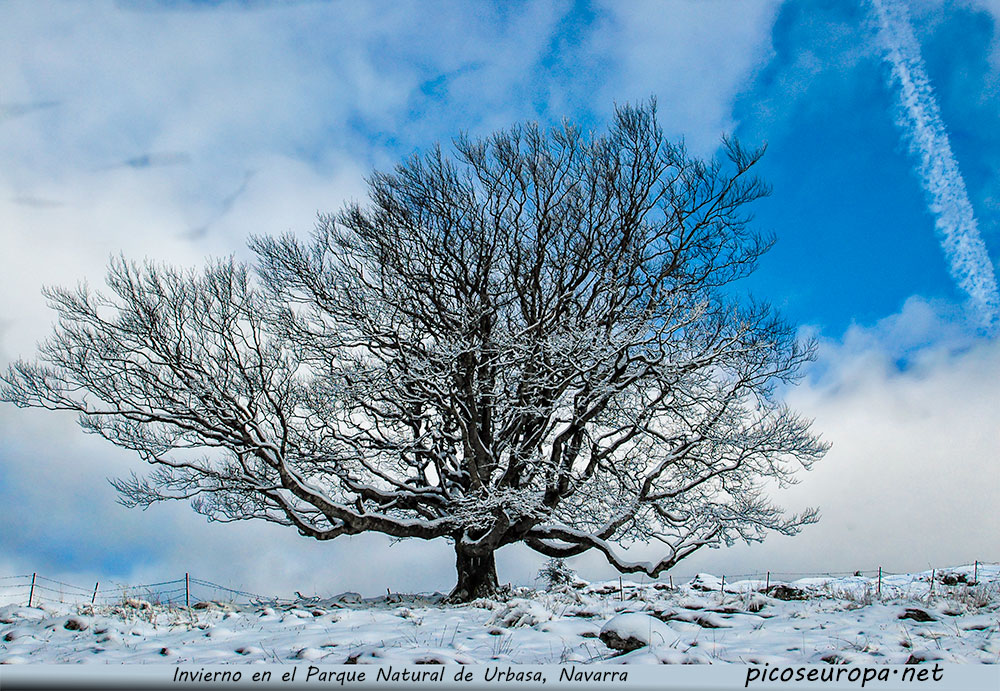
x: 859, y: 597
x: 977, y: 596
x: 556, y: 573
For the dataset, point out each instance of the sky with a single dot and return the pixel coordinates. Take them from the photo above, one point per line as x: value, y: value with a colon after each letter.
x: 174, y: 130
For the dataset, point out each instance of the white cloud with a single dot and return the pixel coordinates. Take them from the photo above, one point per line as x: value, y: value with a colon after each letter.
x: 696, y: 57
x: 911, y: 481
x: 286, y: 105
x: 993, y: 8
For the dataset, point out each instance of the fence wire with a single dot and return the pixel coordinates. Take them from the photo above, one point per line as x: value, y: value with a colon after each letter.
x: 36, y: 589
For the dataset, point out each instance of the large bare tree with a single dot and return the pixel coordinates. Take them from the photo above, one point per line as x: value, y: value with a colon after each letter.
x: 537, y: 339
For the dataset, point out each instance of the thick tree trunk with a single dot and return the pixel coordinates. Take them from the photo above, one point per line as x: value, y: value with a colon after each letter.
x: 477, y: 576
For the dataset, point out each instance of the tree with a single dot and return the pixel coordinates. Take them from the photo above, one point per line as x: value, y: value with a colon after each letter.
x: 534, y: 340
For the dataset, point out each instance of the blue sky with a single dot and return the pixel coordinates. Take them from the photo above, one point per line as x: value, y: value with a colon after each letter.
x: 847, y: 207
x: 175, y: 130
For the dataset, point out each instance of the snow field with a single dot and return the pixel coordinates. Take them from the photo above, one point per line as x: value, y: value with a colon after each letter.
x: 825, y: 620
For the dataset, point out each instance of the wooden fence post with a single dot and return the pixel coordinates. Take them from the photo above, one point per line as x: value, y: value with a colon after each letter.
x: 975, y: 573
x: 94, y: 597
x: 187, y: 591
x: 722, y: 585
x: 880, y: 581
x: 933, y: 575
x: 671, y: 581
x: 767, y: 583
x: 621, y: 589
x: 31, y: 593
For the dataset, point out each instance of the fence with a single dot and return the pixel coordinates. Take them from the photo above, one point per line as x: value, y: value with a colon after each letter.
x: 35, y: 589
x: 878, y: 582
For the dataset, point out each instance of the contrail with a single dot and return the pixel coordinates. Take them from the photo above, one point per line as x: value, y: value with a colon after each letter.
x: 920, y: 120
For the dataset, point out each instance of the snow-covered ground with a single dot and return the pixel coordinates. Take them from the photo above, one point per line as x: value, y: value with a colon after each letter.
x: 827, y: 620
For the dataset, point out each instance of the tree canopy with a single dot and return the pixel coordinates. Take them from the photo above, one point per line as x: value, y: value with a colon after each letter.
x: 535, y: 338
